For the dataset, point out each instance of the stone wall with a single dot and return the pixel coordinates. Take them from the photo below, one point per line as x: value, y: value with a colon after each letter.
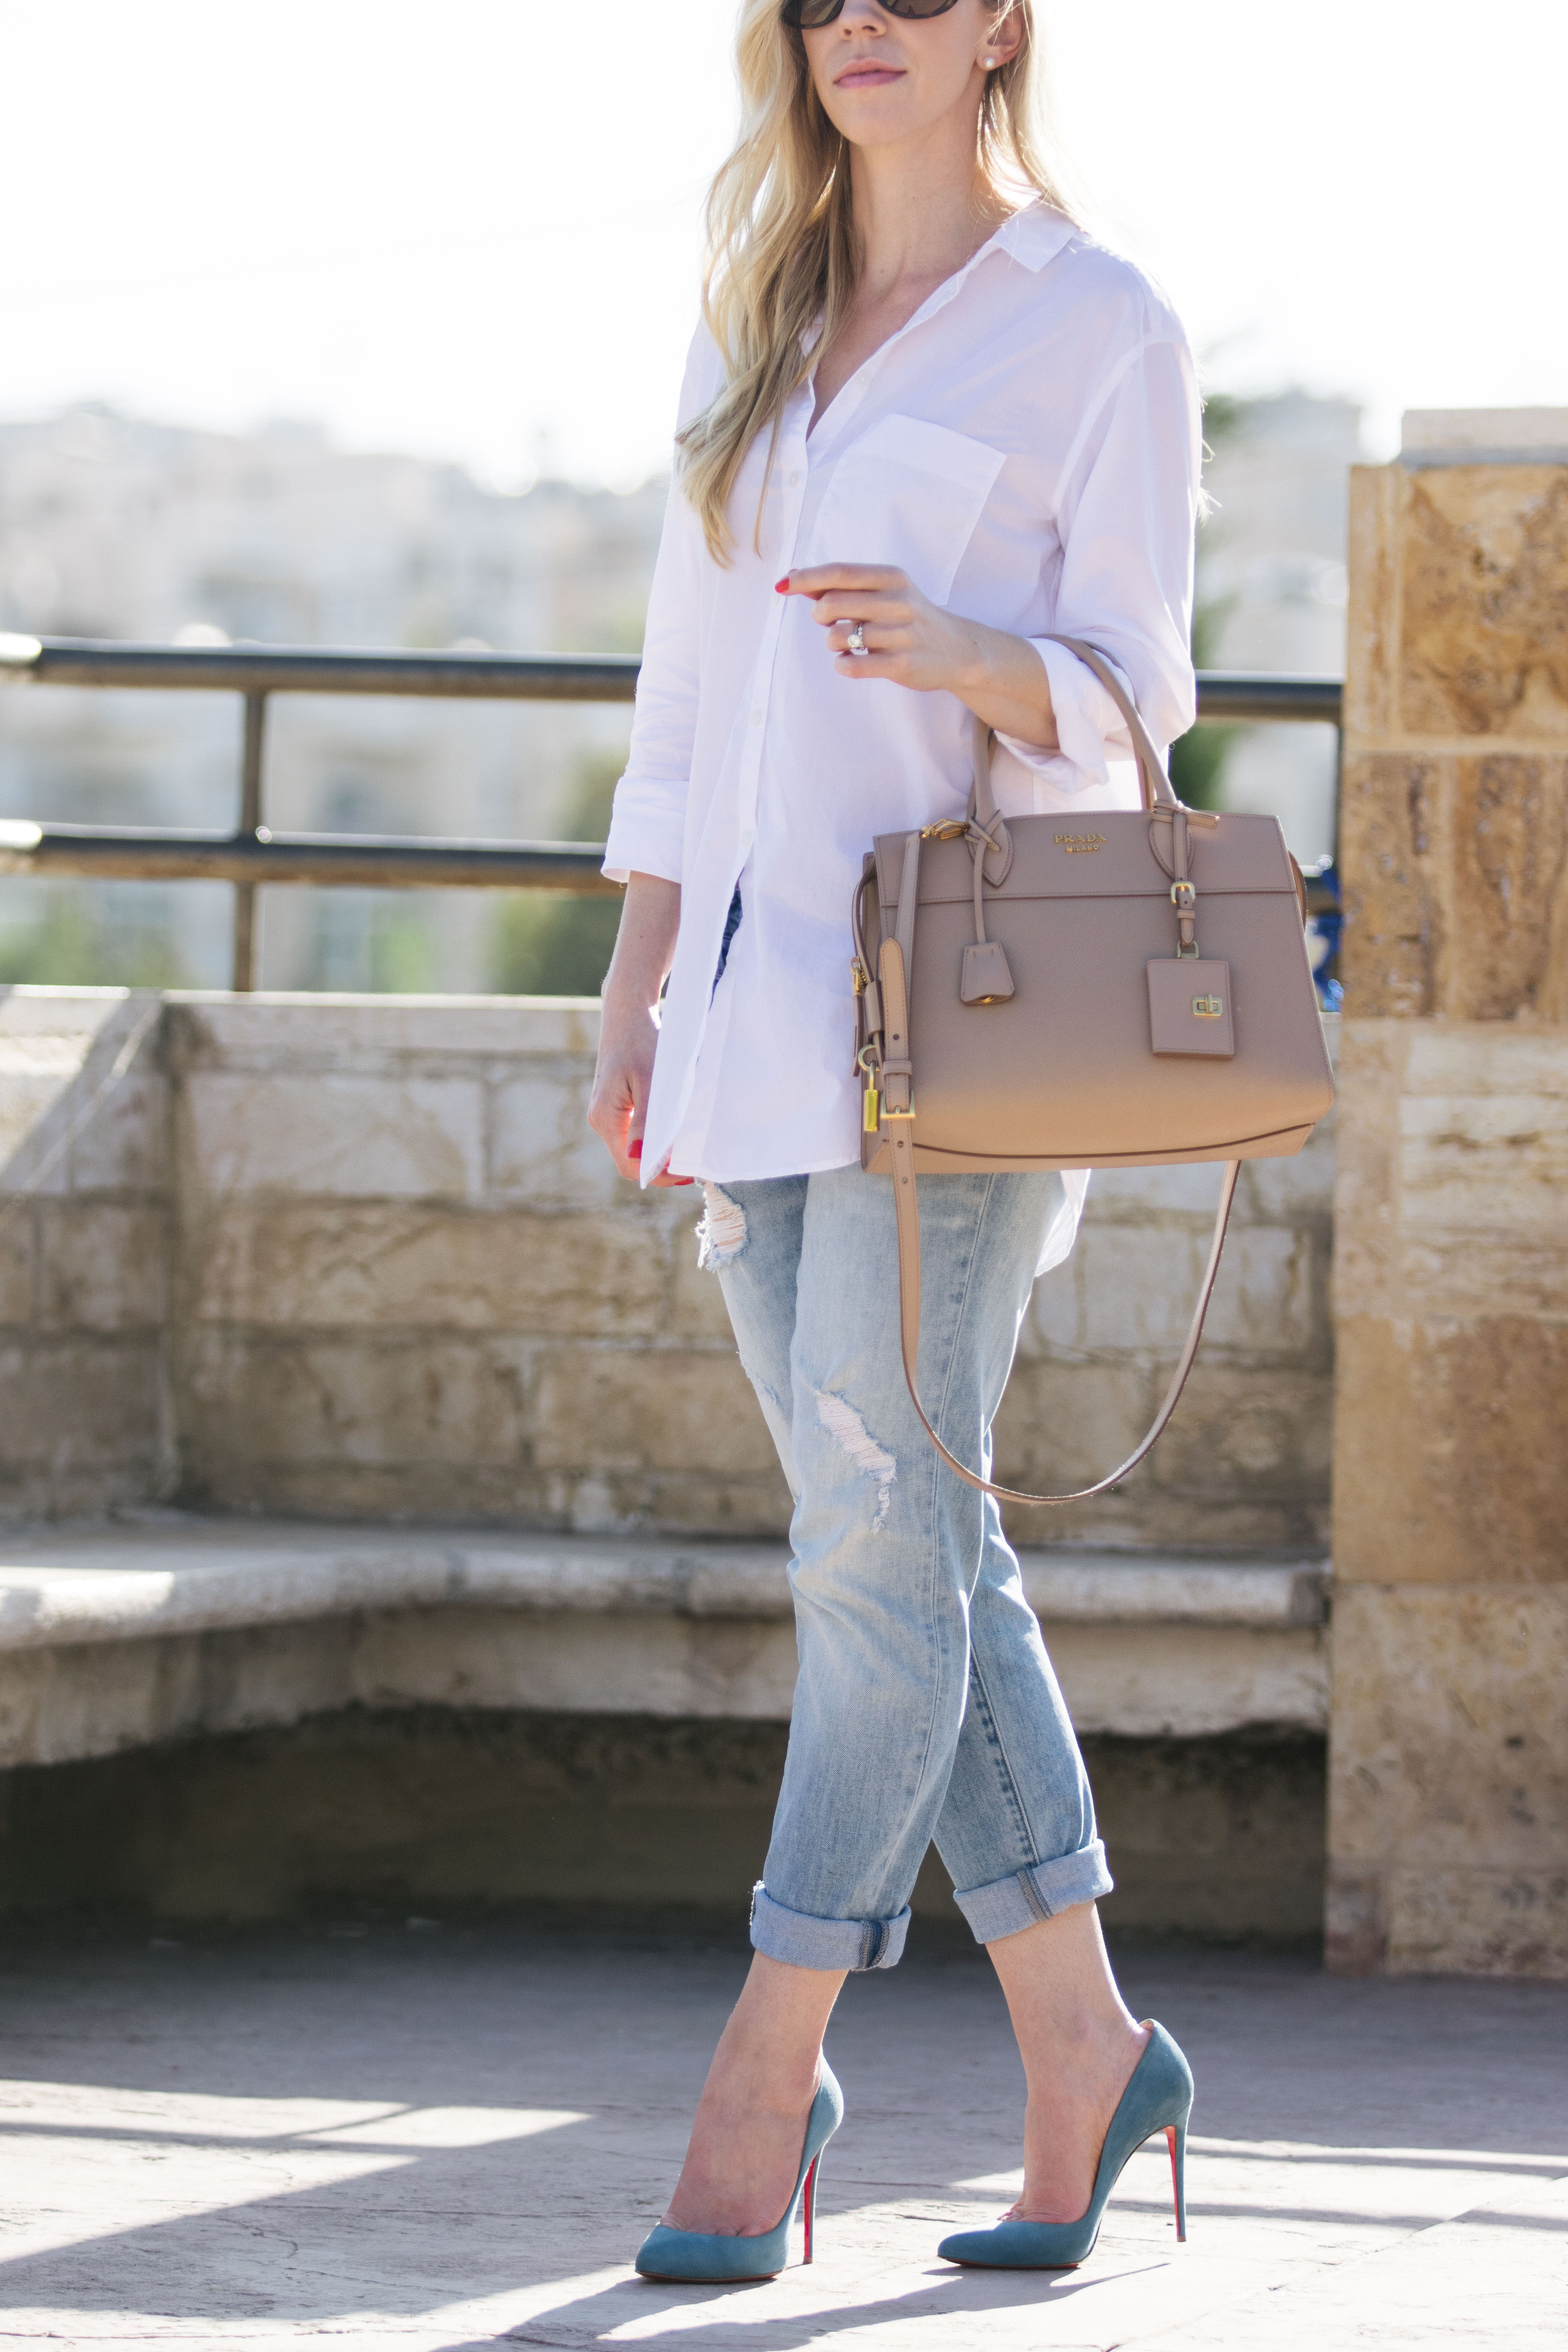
x: 85, y: 1251
x: 1449, y: 1745
x: 410, y: 1284
x: 361, y: 1258
x: 1244, y: 1464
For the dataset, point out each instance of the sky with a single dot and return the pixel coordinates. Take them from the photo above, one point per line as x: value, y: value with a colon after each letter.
x: 471, y: 232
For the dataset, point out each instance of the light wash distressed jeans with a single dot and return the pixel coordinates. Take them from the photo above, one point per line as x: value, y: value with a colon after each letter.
x: 925, y: 1706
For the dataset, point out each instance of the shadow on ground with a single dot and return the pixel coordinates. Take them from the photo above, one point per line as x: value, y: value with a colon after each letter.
x: 467, y: 2129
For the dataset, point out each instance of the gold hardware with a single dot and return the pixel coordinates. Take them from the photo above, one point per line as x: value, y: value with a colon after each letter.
x: 857, y: 976
x: 888, y: 1112
x: 1208, y: 1008
x: 1184, y: 954
x: 1184, y: 896
x: 870, y: 1110
x: 949, y: 830
x: 871, y: 1065
x: 1074, y: 842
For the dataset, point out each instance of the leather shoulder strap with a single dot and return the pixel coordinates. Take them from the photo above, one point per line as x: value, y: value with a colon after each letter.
x: 905, y: 1204
x: 899, y: 1130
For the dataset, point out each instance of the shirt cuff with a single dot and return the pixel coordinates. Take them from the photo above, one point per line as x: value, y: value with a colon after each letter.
x: 643, y: 841
x: 1090, y: 731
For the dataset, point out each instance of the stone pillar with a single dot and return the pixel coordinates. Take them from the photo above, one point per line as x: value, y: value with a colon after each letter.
x: 1448, y: 1743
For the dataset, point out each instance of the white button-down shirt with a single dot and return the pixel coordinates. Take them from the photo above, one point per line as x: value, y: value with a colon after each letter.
x: 1026, y: 449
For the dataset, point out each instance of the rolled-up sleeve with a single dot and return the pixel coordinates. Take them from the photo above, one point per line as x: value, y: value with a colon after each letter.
x: 1126, y: 514
x: 647, y: 823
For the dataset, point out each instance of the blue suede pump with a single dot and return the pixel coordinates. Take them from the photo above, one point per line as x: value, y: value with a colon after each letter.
x: 1158, y: 2098
x: 697, y: 2258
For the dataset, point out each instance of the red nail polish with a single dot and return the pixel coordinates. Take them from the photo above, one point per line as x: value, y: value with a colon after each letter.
x: 779, y: 586
x: 634, y: 1148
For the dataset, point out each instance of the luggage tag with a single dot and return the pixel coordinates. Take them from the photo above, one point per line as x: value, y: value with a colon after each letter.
x: 1190, y: 1007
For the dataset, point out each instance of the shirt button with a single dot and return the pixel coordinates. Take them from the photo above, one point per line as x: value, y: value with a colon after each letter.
x: 756, y: 718
x: 793, y: 480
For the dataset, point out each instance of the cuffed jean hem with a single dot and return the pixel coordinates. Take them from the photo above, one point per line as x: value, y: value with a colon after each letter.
x: 1009, y: 1905
x: 807, y: 1943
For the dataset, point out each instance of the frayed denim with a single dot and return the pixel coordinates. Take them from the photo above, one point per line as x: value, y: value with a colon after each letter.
x: 925, y: 1706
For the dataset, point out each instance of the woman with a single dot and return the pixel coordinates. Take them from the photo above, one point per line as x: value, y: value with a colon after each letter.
x: 927, y: 419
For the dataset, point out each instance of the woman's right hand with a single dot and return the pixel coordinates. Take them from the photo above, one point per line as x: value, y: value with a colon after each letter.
x: 645, y: 949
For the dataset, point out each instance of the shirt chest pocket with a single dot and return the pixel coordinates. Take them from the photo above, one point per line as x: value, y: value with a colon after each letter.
x: 910, y: 494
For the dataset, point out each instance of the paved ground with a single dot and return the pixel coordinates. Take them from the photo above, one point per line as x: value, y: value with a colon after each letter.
x: 432, y: 2137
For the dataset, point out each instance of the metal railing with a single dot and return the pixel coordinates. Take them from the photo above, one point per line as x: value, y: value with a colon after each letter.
x: 253, y: 855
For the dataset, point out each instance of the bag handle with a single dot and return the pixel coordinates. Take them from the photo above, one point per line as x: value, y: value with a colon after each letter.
x: 1154, y: 785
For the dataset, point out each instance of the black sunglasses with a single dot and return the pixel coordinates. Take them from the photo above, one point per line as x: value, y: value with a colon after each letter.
x: 808, y: 15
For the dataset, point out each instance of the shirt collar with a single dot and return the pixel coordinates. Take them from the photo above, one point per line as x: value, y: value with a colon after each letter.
x: 1035, y: 235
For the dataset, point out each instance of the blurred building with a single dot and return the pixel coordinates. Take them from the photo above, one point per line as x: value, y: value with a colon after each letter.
x: 112, y: 526
x: 1271, y: 589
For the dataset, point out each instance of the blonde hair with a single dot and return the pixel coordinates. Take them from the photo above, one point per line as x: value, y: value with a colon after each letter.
x: 783, y: 257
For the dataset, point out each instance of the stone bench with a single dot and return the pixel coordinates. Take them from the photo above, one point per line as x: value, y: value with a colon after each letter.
x: 174, y: 1628
x: 248, y: 1717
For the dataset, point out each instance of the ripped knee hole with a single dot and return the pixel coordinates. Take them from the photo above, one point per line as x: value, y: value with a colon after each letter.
x: 839, y: 1417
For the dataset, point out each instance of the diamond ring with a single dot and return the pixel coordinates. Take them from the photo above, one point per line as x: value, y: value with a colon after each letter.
x: 857, y: 639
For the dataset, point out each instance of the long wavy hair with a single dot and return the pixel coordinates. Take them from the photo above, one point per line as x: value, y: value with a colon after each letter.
x: 781, y: 258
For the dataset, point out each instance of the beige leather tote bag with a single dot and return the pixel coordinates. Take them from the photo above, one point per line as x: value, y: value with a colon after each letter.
x: 1115, y: 990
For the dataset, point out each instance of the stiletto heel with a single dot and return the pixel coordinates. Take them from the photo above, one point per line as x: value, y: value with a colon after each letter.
x: 1158, y: 2098
x: 699, y: 2257
x: 809, y: 2206
x: 1176, y: 2141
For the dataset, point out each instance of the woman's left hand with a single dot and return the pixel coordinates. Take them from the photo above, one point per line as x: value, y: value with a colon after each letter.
x: 916, y: 644
x: 908, y: 638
